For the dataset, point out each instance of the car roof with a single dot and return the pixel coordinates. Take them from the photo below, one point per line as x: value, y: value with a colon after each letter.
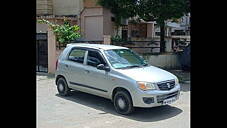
x: 96, y: 46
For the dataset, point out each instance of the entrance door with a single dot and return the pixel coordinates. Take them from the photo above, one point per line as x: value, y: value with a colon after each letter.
x: 41, y: 52
x: 94, y: 28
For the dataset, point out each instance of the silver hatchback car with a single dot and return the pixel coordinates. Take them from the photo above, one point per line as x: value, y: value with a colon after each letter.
x: 116, y: 73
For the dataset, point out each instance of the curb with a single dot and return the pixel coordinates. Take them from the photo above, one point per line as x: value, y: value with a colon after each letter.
x: 185, y: 82
x: 45, y: 74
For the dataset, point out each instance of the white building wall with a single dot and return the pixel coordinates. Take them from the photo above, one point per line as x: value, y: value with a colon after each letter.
x: 169, y: 61
x: 67, y: 7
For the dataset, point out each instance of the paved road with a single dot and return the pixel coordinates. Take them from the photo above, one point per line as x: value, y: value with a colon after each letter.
x: 81, y: 110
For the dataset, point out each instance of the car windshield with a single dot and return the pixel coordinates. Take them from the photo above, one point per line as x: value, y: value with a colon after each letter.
x: 124, y: 58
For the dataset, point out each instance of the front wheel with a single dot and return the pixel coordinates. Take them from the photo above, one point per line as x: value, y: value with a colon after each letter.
x: 123, y: 103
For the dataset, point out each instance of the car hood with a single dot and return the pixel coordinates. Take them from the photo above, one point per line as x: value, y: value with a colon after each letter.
x: 148, y: 74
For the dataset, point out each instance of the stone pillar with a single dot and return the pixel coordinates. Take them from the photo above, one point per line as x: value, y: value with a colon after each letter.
x: 107, y: 39
x: 51, y: 51
x: 168, y: 44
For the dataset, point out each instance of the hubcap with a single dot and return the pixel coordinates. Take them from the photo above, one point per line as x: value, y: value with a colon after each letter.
x: 121, y: 103
x: 61, y: 87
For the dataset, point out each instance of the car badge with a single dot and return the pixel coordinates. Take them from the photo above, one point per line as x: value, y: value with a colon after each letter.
x: 168, y: 85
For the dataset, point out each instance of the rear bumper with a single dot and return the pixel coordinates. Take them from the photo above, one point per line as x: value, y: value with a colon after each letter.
x: 157, y: 96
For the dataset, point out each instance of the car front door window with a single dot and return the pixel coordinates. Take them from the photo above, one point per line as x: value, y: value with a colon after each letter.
x: 94, y: 58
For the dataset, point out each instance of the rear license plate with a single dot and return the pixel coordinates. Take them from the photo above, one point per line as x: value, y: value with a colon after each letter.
x: 169, y: 101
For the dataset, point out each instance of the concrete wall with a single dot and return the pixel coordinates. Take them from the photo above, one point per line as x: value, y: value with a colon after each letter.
x: 41, y: 28
x: 168, y: 61
x: 59, y: 7
x: 168, y: 44
x: 67, y: 7
x: 91, y: 3
x: 44, y: 7
x: 95, y: 21
x: 93, y: 12
x: 107, y: 23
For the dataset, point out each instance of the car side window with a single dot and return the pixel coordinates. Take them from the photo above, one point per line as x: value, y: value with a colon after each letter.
x: 77, y: 55
x: 94, y: 58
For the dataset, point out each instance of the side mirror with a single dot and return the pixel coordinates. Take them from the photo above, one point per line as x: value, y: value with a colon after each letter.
x: 145, y: 61
x: 102, y: 67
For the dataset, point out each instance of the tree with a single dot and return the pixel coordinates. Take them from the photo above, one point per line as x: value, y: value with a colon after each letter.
x: 148, y: 10
x: 120, y: 8
x: 64, y: 33
x: 161, y: 11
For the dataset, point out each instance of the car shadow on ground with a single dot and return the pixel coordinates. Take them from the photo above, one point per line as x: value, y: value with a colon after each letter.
x: 106, y: 106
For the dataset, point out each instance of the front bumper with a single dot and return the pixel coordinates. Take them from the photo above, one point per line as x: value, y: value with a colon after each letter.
x: 157, y: 95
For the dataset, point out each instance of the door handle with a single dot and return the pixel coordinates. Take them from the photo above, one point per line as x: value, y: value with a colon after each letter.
x: 87, y: 71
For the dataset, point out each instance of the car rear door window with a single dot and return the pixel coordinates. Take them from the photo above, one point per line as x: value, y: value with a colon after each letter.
x: 77, y: 55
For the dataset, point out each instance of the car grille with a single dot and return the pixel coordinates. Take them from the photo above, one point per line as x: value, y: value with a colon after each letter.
x: 166, y: 96
x: 166, y: 85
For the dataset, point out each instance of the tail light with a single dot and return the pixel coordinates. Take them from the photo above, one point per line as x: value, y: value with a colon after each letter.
x: 56, y: 64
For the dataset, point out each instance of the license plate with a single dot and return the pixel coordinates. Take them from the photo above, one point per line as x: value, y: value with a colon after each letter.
x: 169, y: 101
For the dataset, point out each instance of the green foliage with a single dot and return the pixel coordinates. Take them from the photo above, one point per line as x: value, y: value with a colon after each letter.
x: 148, y: 10
x: 162, y: 10
x: 64, y: 33
x: 116, y: 38
x: 122, y: 9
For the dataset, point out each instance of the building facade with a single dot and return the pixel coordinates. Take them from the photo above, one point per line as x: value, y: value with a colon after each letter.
x: 96, y: 24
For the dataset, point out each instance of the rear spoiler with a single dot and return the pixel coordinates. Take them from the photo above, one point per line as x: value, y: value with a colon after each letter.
x: 68, y: 45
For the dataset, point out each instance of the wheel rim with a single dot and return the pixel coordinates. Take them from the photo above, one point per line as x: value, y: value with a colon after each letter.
x: 61, y: 87
x: 121, y: 103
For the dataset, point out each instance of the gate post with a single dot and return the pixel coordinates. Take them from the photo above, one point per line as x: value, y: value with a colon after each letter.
x: 51, y: 51
x: 106, y: 39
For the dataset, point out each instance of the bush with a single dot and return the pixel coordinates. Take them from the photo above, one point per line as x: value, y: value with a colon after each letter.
x: 64, y: 33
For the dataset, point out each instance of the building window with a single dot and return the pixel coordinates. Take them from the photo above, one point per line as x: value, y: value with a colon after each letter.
x: 113, y: 19
x: 157, y: 33
x: 178, y: 32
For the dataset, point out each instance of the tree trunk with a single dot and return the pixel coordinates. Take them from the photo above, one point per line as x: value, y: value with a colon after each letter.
x: 117, y: 30
x: 162, y: 36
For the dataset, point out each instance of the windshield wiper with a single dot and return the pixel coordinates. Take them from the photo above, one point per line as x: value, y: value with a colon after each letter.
x: 145, y: 64
x: 133, y: 66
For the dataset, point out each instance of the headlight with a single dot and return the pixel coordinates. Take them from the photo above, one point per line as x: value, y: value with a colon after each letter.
x: 176, y: 81
x: 146, y: 86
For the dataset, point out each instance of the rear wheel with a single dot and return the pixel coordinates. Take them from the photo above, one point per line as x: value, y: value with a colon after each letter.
x: 62, y: 87
x: 123, y: 103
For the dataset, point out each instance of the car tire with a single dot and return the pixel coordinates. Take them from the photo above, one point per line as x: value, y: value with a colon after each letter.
x: 123, y: 103
x: 62, y: 87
